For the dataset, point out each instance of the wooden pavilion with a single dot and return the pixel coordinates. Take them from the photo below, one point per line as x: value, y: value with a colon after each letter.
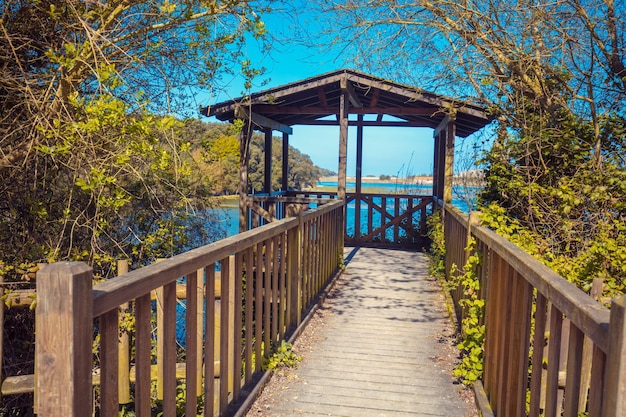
x: 329, y: 99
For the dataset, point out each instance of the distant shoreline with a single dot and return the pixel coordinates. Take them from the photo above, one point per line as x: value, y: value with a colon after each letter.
x: 369, y: 180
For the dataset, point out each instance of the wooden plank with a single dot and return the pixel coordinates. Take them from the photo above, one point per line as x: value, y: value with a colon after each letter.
x: 199, y: 292
x: 574, y: 361
x: 504, y: 335
x: 261, y: 121
x: 143, y: 355
x: 595, y: 293
x: 554, y: 348
x: 209, y: 343
x: 169, y: 349
x: 63, y: 358
x: 123, y: 347
x: 283, y: 287
x: 520, y: 345
x: 267, y: 292
x: 249, y: 331
x: 615, y: 378
x: 275, y: 279
x: 293, y: 278
x: 160, y: 342
x: 258, y: 306
x: 224, y: 337
x: 237, y: 325
x: 191, y: 344
x: 325, y: 110
x: 596, y: 390
x: 537, y: 358
x: 109, y: 367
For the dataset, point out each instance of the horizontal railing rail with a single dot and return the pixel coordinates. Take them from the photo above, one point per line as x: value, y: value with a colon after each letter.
x: 269, y: 277
x: 549, y: 349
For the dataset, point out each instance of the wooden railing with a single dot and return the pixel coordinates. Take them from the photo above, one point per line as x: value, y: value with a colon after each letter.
x: 550, y: 349
x: 391, y: 220
x: 276, y: 272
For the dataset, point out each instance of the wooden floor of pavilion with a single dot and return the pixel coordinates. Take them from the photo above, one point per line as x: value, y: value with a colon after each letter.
x: 379, y: 347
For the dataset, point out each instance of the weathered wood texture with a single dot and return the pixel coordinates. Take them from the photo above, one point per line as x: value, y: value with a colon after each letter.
x: 269, y: 259
x: 540, y: 325
x: 377, y: 349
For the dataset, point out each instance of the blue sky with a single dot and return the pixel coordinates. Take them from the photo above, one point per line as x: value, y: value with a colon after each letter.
x: 390, y: 151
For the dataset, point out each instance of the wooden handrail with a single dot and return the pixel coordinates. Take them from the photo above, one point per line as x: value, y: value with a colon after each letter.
x: 281, y: 274
x: 524, y: 297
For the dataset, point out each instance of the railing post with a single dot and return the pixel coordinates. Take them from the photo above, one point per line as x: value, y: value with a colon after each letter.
x: 64, y: 329
x: 615, y: 378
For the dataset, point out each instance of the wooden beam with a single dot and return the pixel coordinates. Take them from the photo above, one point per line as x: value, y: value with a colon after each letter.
x: 370, y: 123
x: 348, y: 88
x: 375, y: 97
x: 443, y: 124
x: 321, y: 94
x: 325, y: 110
x: 261, y: 121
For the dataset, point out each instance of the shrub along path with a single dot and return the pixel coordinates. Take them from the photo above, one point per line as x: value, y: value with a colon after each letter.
x: 380, y: 346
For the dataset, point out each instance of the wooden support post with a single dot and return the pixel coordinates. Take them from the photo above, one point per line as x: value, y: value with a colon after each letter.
x: 244, y: 155
x: 267, y: 183
x: 359, y: 178
x: 343, y: 146
x: 64, y: 326
x: 449, y: 163
x: 615, y: 379
x: 285, y: 176
x: 124, y: 348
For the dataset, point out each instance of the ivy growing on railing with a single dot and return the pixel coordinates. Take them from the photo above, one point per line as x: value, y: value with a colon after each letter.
x: 470, y: 368
x: 472, y: 327
x: 437, y: 249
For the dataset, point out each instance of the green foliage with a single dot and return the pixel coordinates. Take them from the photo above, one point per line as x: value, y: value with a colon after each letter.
x: 219, y: 158
x: 472, y: 330
x: 437, y: 250
x: 556, y: 186
x: 281, y: 355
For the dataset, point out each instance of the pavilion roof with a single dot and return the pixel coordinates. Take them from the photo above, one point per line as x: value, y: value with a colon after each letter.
x: 315, y: 101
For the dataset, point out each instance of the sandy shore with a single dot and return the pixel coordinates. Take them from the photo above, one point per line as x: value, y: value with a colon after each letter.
x: 412, y: 180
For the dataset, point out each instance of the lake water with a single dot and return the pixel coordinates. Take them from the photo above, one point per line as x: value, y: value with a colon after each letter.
x: 462, y: 196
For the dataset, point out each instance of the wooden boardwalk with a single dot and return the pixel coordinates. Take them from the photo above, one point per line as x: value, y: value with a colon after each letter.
x: 378, y: 347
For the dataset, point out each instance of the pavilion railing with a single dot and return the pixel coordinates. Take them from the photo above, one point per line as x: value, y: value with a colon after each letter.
x: 383, y: 220
x: 550, y: 349
x: 271, y: 275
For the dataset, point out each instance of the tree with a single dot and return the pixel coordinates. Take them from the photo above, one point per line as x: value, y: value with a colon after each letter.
x: 554, y: 76
x: 92, y: 164
x: 220, y: 159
